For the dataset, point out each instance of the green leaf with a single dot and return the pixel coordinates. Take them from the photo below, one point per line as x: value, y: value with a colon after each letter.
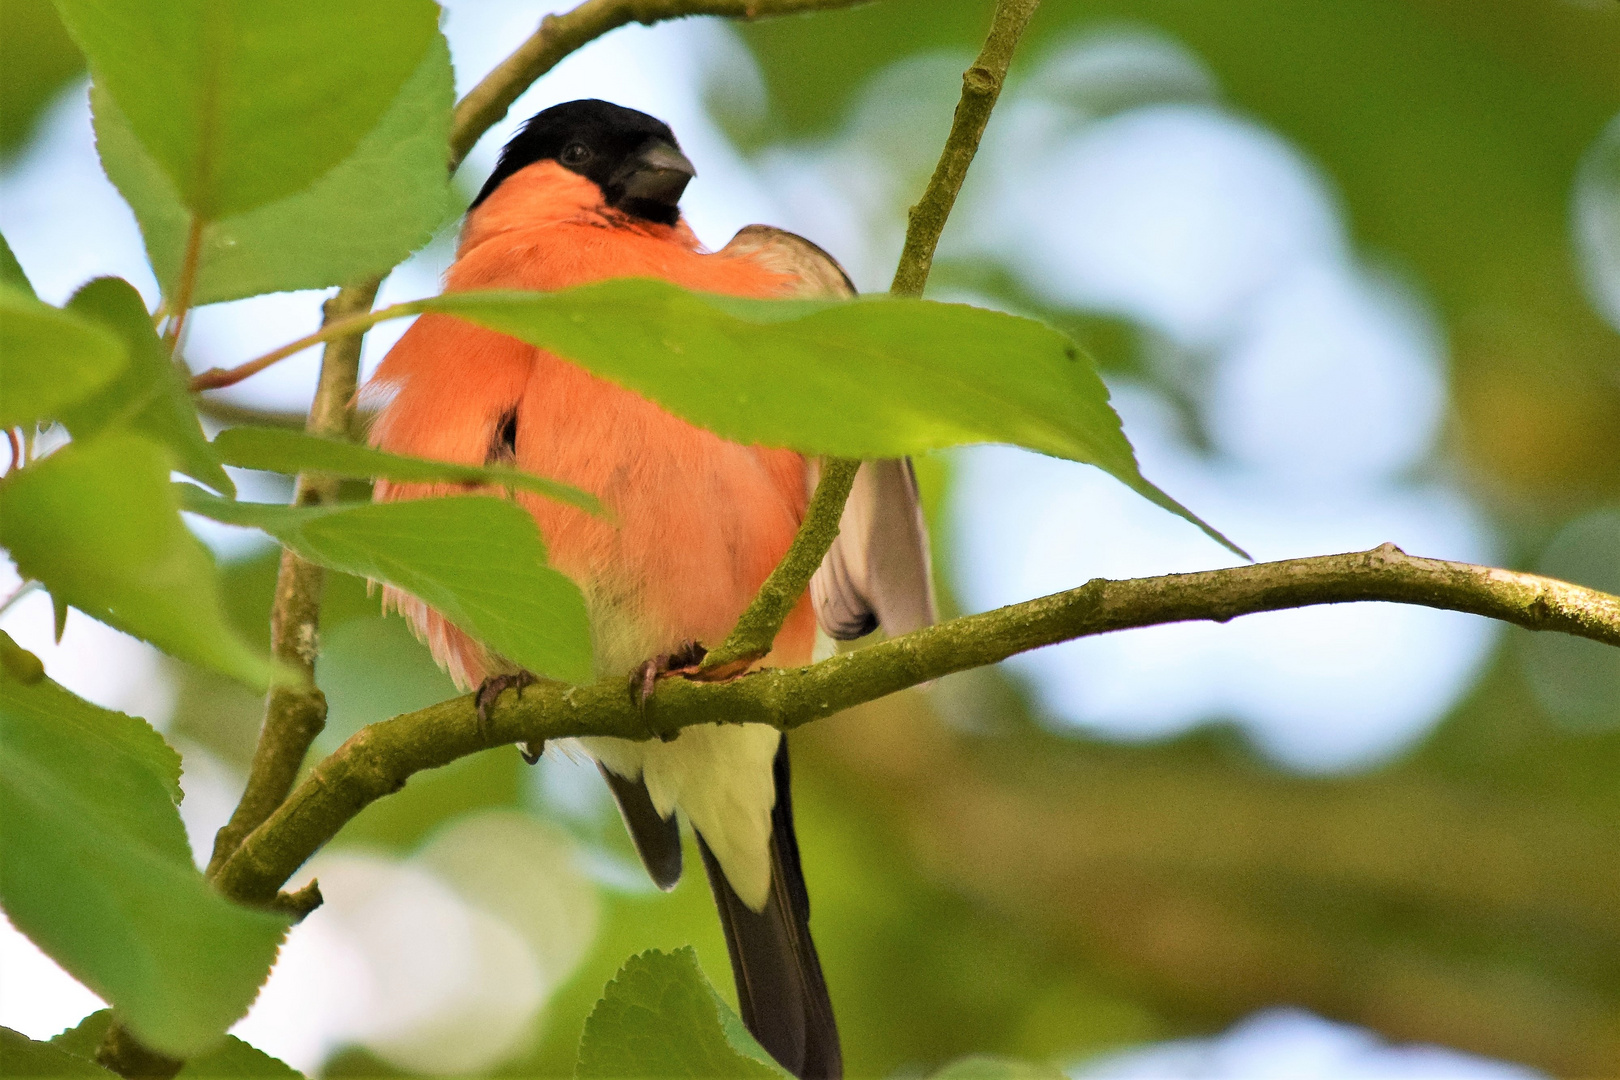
x: 22, y: 1056
x: 286, y: 451
x: 49, y: 358
x: 986, y: 1067
x: 95, y: 868
x: 97, y: 522
x: 11, y: 271
x: 479, y: 560
x: 360, y: 219
x: 83, y: 1038
x: 19, y: 663
x: 233, y: 1058
x: 869, y: 378
x: 150, y: 396
x: 230, y: 1058
x: 37, y: 59
x: 242, y: 103
x: 660, y: 1017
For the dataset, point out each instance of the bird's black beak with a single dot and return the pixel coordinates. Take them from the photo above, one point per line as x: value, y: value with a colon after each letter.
x: 650, y: 183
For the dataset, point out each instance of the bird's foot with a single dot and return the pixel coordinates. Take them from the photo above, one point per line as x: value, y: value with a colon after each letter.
x: 491, y: 689
x: 683, y: 661
x: 644, y: 679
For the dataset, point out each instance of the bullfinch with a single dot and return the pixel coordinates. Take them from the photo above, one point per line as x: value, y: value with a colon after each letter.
x: 585, y: 191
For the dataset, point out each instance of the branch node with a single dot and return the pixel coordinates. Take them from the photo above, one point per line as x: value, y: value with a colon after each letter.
x: 979, y: 80
x: 300, y: 903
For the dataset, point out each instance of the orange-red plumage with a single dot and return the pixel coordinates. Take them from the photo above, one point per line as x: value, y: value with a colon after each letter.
x: 668, y: 568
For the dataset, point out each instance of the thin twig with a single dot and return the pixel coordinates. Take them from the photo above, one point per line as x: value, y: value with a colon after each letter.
x: 380, y: 758
x: 18, y: 593
x: 755, y: 631
x: 486, y: 104
x: 981, y: 86
x: 357, y: 322
x: 751, y: 638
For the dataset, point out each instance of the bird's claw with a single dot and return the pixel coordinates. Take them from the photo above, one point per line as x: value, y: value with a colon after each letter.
x: 491, y: 689
x: 644, y: 679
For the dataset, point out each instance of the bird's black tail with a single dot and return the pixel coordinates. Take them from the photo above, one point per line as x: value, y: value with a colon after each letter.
x: 779, y: 985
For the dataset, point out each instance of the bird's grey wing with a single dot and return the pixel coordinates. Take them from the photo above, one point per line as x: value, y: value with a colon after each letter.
x: 818, y: 274
x: 877, y: 572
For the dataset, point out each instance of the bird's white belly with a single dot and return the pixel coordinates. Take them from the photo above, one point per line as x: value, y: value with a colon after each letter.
x: 717, y: 775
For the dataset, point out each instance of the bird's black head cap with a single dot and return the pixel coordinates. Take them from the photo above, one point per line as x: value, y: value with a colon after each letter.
x: 631, y: 156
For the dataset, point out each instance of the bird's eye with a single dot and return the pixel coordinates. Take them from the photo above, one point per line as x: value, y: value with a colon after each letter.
x: 575, y: 154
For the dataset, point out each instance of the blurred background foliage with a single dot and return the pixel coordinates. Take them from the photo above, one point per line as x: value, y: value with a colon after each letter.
x: 984, y: 880
x: 1451, y: 131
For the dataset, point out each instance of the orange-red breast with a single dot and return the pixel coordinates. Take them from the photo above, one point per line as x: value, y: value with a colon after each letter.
x: 589, y: 190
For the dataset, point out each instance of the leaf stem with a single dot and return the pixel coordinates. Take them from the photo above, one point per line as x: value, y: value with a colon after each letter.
x: 282, y: 746
x: 180, y: 304
x: 122, y: 1053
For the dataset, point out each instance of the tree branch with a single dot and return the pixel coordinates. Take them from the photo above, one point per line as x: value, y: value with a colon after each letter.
x: 485, y: 104
x: 981, y: 86
x: 379, y: 759
x: 294, y: 715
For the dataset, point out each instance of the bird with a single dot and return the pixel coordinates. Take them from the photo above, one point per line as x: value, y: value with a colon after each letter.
x: 589, y: 190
